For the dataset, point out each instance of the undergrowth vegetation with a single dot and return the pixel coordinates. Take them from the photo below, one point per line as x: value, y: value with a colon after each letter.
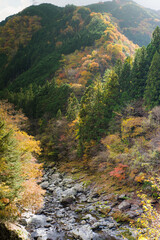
x: 19, y: 170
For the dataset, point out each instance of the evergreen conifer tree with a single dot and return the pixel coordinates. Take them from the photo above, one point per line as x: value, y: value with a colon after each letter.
x: 10, y: 166
x: 125, y: 80
x: 111, y: 91
x: 152, y: 91
x: 85, y: 117
x: 72, y: 108
x: 96, y: 108
x: 139, y: 73
x: 156, y: 38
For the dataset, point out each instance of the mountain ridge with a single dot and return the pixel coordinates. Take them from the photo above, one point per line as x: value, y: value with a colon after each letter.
x: 135, y: 21
x: 52, y: 37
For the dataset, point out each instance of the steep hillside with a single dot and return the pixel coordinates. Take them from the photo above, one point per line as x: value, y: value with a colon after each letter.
x: 32, y: 42
x: 81, y: 68
x: 135, y: 22
x: 58, y: 30
x: 71, y: 43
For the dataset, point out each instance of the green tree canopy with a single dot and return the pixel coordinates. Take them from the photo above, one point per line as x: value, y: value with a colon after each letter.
x: 73, y: 107
x: 139, y: 73
x: 156, y: 38
x: 10, y: 166
x: 97, y: 107
x: 152, y: 91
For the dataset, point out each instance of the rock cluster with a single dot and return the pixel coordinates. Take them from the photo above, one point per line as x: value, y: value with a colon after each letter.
x: 72, y: 211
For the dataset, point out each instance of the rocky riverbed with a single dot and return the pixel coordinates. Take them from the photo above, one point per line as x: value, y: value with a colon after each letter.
x: 73, y: 211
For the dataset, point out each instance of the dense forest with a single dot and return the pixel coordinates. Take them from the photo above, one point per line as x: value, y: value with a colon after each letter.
x: 134, y: 21
x: 91, y: 97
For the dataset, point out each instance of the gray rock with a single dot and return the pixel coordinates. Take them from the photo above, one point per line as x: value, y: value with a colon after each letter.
x: 78, y: 209
x: 39, y: 234
x: 60, y: 213
x: 47, y: 225
x: 100, y: 224
x: 110, y: 197
x: 55, y: 177
x: 51, y: 189
x: 68, y: 196
x: 96, y: 225
x: 85, y: 233
x: 124, y: 205
x: 44, y: 185
x: 70, y: 191
x: 49, y: 219
x: 133, y: 214
x: 89, y: 217
x: 111, y: 235
x: 122, y: 197
x: 83, y: 198
x: 135, y: 207
x: 58, y: 192
x: 78, y: 187
x: 67, y: 200
x: 44, y: 178
x: 68, y: 181
x: 111, y: 225
x: 37, y: 221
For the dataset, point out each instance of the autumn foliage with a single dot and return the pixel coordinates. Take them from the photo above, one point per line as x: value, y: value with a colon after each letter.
x: 19, y: 170
x: 17, y: 31
x: 119, y: 171
x: 81, y: 66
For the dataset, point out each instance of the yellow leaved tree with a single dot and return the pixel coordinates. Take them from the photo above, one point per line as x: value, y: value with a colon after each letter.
x: 19, y: 170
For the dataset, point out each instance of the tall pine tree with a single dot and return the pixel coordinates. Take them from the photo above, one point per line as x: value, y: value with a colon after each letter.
x: 156, y: 38
x: 152, y: 91
x: 139, y: 74
x: 10, y: 166
x: 125, y: 79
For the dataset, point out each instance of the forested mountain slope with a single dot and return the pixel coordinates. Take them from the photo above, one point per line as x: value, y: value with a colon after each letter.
x: 135, y: 22
x: 32, y: 42
x: 31, y: 48
x: 49, y: 39
x: 81, y: 68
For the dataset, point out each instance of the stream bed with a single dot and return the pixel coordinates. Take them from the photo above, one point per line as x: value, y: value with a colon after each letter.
x: 72, y: 211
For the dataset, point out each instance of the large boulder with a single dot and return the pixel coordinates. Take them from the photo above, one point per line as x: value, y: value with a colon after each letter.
x: 55, y: 177
x: 124, y: 205
x: 85, y: 233
x: 68, y: 196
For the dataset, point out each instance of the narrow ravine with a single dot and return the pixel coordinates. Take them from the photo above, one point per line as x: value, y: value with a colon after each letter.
x: 72, y: 211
